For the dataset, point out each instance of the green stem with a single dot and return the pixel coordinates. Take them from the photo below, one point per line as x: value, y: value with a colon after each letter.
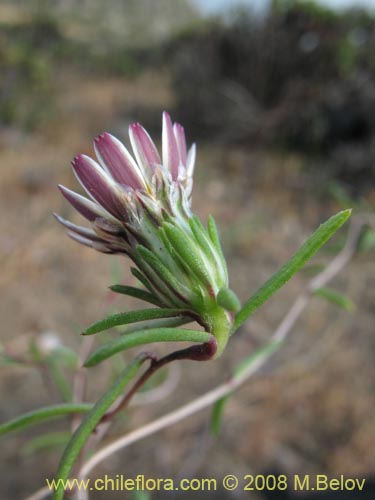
x: 60, y: 381
x: 90, y: 422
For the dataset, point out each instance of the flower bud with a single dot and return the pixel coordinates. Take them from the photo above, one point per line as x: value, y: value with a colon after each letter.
x: 141, y: 206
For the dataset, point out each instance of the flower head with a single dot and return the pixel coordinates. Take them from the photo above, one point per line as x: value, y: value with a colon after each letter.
x: 140, y: 205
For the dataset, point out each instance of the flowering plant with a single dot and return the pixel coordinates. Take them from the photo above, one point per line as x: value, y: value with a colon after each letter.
x: 140, y: 205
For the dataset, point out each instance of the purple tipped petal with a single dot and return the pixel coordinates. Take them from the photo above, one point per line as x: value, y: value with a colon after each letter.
x: 85, y: 207
x: 116, y: 159
x: 179, y: 134
x: 80, y: 239
x: 143, y: 146
x: 170, y: 152
x: 82, y: 231
x: 109, y: 228
x: 98, y: 185
x: 97, y: 245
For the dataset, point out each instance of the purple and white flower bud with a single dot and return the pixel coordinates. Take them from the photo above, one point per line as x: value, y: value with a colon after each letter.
x: 141, y: 206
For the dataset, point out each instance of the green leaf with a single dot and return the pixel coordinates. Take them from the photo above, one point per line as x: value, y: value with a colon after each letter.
x: 145, y: 337
x: 42, y: 415
x: 137, y: 293
x: 8, y: 360
x: 131, y: 317
x: 307, y: 250
x: 50, y: 440
x: 227, y: 299
x: 141, y: 278
x: 158, y: 323
x: 59, y: 378
x: 336, y: 298
x: 215, y: 238
x: 340, y: 195
x: 245, y: 363
x: 90, y: 422
x: 367, y: 240
x: 35, y: 353
x: 66, y: 356
x: 217, y: 415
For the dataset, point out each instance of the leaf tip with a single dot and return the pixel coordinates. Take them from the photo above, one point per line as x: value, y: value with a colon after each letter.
x: 90, y: 361
x: 347, y: 212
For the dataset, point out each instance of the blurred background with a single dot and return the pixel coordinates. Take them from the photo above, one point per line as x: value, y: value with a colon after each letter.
x: 280, y: 98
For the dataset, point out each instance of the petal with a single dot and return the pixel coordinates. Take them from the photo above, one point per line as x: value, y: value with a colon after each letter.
x: 116, y: 160
x: 85, y: 207
x: 190, y: 162
x: 82, y: 231
x: 170, y: 152
x: 106, y: 226
x: 143, y: 146
x: 98, y: 185
x: 179, y: 134
x: 101, y: 247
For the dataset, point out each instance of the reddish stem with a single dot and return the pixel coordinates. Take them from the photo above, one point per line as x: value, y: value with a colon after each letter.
x: 201, y: 352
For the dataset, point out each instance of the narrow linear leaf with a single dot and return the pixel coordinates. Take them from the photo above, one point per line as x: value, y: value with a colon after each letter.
x: 59, y: 379
x: 91, y: 420
x: 46, y: 441
x: 42, y: 415
x: 142, y: 279
x: 307, y: 250
x: 7, y: 360
x: 340, y: 195
x: 65, y: 356
x: 158, y: 323
x: 131, y: 317
x: 215, y: 238
x: 265, y: 350
x: 217, y: 415
x: 145, y: 337
x: 367, y: 240
x: 336, y: 298
x: 137, y: 293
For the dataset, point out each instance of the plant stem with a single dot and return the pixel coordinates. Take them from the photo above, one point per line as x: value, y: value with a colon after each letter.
x: 201, y: 352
